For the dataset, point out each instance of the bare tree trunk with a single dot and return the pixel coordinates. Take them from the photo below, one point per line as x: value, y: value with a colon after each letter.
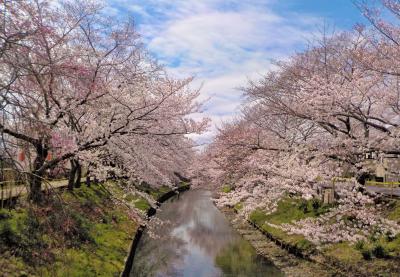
x: 35, y: 193
x: 88, y: 178
x: 72, y: 173
x: 78, y: 175
x: 35, y: 182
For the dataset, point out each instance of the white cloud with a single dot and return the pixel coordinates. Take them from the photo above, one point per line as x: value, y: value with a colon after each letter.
x: 221, y: 43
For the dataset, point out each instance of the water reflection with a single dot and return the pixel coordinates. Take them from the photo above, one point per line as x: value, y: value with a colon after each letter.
x: 198, y: 241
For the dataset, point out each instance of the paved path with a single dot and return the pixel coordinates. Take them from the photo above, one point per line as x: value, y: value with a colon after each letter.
x: 16, y: 191
x: 385, y: 191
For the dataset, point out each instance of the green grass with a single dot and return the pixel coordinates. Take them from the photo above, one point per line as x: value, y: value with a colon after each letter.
x: 289, y: 210
x: 226, y: 189
x: 292, y: 209
x: 238, y: 207
x: 258, y: 217
x: 86, y: 235
x: 298, y: 241
x: 375, y: 256
x: 138, y: 201
x: 158, y: 192
x: 394, y: 211
x: 344, y: 252
x: 142, y: 204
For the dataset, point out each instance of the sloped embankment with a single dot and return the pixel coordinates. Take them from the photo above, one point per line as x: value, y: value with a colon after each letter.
x: 377, y: 256
x: 84, y: 233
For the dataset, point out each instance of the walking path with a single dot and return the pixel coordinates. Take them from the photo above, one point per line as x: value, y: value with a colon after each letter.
x: 385, y: 191
x: 11, y: 191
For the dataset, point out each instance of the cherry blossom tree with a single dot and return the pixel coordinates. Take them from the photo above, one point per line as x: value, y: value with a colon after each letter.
x: 77, y: 81
x: 311, y: 120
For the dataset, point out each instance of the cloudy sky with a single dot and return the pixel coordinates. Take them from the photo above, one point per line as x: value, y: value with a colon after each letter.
x: 223, y: 43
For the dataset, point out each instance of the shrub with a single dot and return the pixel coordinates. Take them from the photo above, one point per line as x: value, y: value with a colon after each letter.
x: 366, y: 253
x: 316, y: 204
x: 226, y: 189
x: 7, y: 235
x: 4, y: 214
x: 379, y: 251
x: 360, y: 244
x: 389, y: 236
x: 303, y: 206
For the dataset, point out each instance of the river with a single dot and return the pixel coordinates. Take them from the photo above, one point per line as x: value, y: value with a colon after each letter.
x: 196, y: 240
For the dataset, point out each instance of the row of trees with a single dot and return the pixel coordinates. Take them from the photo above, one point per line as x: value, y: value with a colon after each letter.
x: 77, y: 86
x: 313, y: 119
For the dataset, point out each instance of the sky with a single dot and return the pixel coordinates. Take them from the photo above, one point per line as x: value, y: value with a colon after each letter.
x: 224, y: 44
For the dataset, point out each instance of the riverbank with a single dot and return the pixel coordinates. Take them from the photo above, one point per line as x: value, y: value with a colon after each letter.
x: 288, y: 263
x: 379, y: 256
x: 83, y: 233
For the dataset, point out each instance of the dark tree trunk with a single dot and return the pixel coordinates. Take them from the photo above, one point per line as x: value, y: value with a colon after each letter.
x: 78, y: 175
x: 72, y: 173
x: 88, y: 178
x: 35, y: 182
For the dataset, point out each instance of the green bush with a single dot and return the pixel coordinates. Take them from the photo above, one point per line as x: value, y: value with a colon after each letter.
x: 316, y: 204
x: 238, y: 206
x: 4, y: 214
x: 360, y: 244
x: 226, y: 189
x: 366, y: 253
x: 303, y: 206
x: 379, y: 251
x: 7, y: 235
x: 389, y: 236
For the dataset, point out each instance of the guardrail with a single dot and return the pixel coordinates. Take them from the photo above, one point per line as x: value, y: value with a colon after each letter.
x: 383, y: 184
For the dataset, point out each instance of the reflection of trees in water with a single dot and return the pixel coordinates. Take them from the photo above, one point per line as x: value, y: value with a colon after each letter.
x: 163, y: 255
x: 239, y: 259
x: 194, y: 222
x: 210, y: 240
x: 158, y: 257
x: 207, y: 227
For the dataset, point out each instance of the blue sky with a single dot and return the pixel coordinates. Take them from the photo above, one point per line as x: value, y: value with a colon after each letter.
x: 225, y: 43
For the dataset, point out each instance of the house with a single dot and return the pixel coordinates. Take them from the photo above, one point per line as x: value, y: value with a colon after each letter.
x: 383, y: 167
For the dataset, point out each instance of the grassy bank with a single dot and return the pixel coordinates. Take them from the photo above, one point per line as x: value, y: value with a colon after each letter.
x: 84, y: 233
x: 289, y: 210
x: 377, y: 256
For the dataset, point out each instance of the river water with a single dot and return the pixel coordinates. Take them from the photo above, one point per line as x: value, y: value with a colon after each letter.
x: 196, y: 240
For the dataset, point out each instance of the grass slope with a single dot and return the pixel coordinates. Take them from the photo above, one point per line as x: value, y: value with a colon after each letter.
x: 85, y: 234
x: 378, y: 256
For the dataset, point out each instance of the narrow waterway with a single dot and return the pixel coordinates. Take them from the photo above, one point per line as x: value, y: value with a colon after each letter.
x: 196, y: 240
